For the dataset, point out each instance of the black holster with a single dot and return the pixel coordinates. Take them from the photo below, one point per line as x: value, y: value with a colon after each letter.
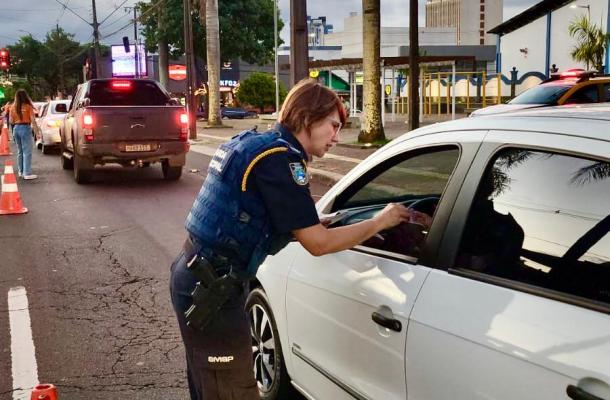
x: 211, y: 292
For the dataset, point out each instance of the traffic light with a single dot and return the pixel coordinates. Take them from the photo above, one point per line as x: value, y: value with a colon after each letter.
x: 5, y: 59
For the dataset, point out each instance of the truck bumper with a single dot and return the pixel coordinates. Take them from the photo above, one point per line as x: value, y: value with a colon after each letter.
x: 107, y: 153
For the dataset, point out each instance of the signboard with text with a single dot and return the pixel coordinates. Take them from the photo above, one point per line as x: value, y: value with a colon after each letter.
x: 124, y: 65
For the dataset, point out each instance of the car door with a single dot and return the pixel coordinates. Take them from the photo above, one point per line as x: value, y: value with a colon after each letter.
x: 522, y: 311
x: 347, y: 313
x: 70, y: 116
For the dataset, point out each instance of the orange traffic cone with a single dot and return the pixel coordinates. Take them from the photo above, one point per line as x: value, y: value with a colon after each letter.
x: 4, y: 149
x: 45, y: 391
x: 10, y: 201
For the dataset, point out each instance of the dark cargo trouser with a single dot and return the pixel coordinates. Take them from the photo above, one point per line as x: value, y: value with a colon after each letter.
x: 219, y: 359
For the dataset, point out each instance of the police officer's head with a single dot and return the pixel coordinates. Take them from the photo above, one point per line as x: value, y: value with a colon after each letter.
x: 314, y: 114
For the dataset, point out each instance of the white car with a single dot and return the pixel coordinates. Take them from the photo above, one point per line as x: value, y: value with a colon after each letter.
x: 49, y: 122
x: 506, y: 295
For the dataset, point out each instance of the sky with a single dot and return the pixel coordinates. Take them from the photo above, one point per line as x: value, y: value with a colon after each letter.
x: 18, y: 18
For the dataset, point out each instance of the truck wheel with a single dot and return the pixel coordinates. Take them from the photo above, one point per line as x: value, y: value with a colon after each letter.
x: 66, y: 163
x: 46, y: 149
x: 82, y: 173
x: 171, y: 173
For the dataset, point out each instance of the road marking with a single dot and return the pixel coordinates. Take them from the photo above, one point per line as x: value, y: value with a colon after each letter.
x: 23, y: 354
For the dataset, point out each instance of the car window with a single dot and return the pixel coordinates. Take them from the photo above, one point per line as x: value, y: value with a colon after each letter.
x: 542, y: 219
x: 60, y: 108
x: 587, y: 94
x: 606, y: 93
x: 543, y: 94
x: 126, y: 93
x: 416, y: 179
x: 75, y: 95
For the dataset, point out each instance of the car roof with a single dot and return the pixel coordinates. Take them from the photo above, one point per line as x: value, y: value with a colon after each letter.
x: 587, y: 121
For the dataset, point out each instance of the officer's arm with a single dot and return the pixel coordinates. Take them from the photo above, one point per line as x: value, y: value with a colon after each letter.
x: 319, y: 240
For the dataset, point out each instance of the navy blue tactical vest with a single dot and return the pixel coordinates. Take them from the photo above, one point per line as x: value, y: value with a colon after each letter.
x: 229, y: 220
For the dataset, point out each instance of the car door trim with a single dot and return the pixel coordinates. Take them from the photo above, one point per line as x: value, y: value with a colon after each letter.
x: 344, y: 386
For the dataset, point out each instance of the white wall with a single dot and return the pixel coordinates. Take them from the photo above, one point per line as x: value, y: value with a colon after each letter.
x: 561, y: 42
x: 531, y: 37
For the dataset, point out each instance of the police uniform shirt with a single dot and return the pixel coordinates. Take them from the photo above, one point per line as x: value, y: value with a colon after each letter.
x: 283, y: 183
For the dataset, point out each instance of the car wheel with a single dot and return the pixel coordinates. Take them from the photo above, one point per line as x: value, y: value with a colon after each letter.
x: 171, y: 173
x: 46, y: 149
x: 269, y: 368
x: 82, y: 173
x: 66, y: 163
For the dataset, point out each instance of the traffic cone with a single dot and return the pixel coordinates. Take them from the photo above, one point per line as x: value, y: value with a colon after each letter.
x: 10, y: 201
x: 4, y: 149
x: 44, y: 391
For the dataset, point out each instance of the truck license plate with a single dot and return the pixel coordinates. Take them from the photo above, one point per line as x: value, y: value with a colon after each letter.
x: 137, y: 147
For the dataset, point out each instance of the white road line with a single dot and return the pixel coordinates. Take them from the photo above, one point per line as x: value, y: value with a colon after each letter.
x: 23, y: 354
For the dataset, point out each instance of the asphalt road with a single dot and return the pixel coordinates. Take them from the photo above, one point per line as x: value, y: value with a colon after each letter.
x: 94, y: 260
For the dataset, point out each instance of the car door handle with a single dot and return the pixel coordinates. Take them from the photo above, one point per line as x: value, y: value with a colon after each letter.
x: 576, y: 393
x: 390, y: 323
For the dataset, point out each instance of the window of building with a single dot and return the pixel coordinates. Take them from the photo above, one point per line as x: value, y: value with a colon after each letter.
x: 542, y: 219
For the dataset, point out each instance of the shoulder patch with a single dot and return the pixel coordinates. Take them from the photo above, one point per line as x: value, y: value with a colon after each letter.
x: 299, y: 174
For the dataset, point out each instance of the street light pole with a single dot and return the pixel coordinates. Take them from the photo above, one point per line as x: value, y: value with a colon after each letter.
x: 277, y: 68
x: 588, y: 7
x: 96, y: 40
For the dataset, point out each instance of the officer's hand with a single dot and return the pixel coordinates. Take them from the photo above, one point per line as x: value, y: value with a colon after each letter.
x: 392, y: 215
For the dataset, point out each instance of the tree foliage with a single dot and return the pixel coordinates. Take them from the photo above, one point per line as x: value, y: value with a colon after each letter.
x: 591, y: 43
x: 246, y: 28
x: 48, y: 66
x: 258, y: 90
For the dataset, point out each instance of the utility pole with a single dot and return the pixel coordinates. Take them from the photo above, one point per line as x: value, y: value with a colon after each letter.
x: 277, y: 69
x: 413, y: 66
x: 299, y: 51
x: 96, y: 41
x: 188, y: 50
x: 135, y: 39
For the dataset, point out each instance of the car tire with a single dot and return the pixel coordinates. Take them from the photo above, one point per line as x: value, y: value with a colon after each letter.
x: 66, y: 163
x: 82, y: 171
x: 171, y: 173
x: 269, y: 368
x: 46, y: 149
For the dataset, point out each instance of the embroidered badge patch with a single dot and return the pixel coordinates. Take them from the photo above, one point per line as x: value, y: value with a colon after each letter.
x: 299, y: 174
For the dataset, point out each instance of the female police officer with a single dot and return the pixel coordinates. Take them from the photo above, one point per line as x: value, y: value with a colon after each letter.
x: 254, y: 200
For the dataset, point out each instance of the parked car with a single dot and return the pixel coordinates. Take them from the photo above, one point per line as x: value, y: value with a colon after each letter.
x: 39, y: 106
x: 506, y: 295
x: 51, y: 117
x: 236, y: 113
x: 574, y: 86
x: 131, y: 122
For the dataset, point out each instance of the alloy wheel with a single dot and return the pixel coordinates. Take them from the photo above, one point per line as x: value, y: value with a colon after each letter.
x: 263, y: 347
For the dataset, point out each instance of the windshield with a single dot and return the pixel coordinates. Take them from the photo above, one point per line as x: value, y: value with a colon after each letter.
x: 543, y: 94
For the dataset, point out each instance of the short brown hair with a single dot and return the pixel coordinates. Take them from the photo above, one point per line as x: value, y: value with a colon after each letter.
x: 307, y: 103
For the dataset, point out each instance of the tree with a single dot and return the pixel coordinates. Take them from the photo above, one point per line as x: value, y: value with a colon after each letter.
x: 49, y: 66
x: 258, y: 90
x: 591, y: 43
x: 372, y: 129
x: 209, y: 9
x: 250, y: 39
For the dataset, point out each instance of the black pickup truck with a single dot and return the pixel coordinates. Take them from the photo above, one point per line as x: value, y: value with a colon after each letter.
x: 131, y: 122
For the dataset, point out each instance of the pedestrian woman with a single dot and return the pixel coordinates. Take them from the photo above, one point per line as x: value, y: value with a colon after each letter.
x: 21, y: 115
x: 254, y: 200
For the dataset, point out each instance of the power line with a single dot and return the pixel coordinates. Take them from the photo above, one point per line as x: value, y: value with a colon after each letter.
x: 151, y: 9
x: 117, y: 20
x: 72, y: 11
x: 113, y: 11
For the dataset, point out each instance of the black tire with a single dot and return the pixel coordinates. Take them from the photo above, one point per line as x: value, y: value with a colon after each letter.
x: 66, y: 163
x: 276, y: 383
x: 46, y: 149
x: 82, y: 170
x: 171, y: 173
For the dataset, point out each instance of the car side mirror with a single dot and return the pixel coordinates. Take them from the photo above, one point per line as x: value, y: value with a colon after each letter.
x: 173, y: 102
x: 86, y: 102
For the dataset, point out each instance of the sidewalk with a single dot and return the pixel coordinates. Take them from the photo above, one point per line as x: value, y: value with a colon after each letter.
x: 336, y: 163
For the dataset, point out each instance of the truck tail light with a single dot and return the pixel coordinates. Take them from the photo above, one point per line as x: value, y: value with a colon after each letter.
x: 88, y: 126
x: 120, y: 85
x: 184, y: 126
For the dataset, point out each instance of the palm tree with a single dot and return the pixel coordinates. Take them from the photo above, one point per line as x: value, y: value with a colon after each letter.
x: 209, y: 9
x: 591, y: 43
x: 372, y: 129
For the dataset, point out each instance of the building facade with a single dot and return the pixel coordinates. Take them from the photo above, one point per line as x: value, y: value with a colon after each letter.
x: 317, y: 29
x: 535, y: 40
x: 471, y: 19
